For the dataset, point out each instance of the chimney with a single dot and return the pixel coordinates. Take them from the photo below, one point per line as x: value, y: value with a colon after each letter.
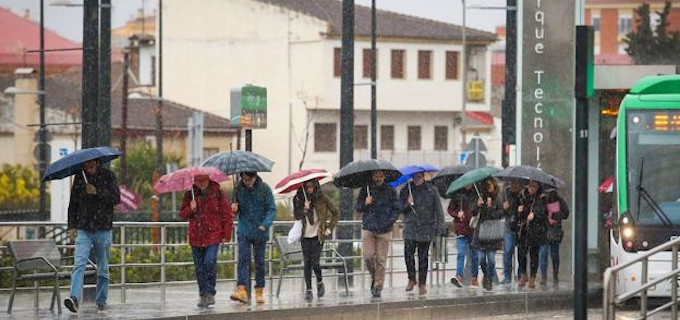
x: 500, y: 32
x: 27, y: 14
x: 25, y: 103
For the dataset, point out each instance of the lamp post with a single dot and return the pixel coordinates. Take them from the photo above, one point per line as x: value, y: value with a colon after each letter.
x: 374, y: 103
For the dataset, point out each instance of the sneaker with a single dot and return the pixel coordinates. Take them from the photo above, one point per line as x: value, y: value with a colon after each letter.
x: 457, y: 281
x: 209, y: 300
x: 71, y: 304
x: 376, y: 292
x: 422, y: 289
x: 473, y: 283
x: 544, y: 280
x: 320, y: 289
x: 487, y: 284
x: 201, y: 302
x: 506, y: 281
x: 101, y: 307
x: 309, y: 296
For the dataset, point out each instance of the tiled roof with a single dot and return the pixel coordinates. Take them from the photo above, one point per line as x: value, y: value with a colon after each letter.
x: 389, y: 24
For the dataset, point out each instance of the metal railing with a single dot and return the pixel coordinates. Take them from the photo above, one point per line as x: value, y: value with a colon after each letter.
x: 439, y: 271
x: 611, y: 299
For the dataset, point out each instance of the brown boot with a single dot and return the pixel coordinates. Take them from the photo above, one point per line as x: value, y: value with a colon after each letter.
x: 532, y: 282
x: 258, y: 296
x: 422, y: 289
x: 522, y: 281
x: 544, y: 280
x: 473, y: 283
x: 555, y: 278
x: 240, y: 295
x: 410, y: 285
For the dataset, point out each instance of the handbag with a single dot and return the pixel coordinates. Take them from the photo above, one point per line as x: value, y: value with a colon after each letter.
x: 491, y: 230
x: 474, y: 222
x: 295, y: 232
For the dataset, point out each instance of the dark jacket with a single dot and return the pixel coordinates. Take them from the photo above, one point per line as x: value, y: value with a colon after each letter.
x: 465, y: 199
x: 533, y: 233
x: 380, y: 216
x: 488, y: 211
x: 256, y: 207
x: 425, y: 219
x: 93, y: 212
x: 212, y: 221
x: 511, y: 215
x: 554, y: 233
x: 326, y: 211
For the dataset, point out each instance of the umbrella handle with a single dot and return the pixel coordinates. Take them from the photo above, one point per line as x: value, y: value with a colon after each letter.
x: 193, y: 197
x: 477, y: 190
x: 410, y: 192
x: 84, y: 176
x: 368, y: 190
x: 305, y: 194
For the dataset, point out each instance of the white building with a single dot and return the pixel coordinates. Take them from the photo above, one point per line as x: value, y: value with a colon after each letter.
x: 292, y: 47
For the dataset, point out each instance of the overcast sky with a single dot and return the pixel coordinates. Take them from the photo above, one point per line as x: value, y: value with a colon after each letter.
x: 68, y: 21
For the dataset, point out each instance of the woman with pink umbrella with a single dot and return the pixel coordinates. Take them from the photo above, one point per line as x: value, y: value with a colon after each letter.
x: 210, y: 220
x: 319, y: 217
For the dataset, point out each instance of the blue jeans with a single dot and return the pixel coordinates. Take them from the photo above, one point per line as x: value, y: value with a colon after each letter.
x: 85, y: 241
x: 508, y: 253
x: 554, y: 250
x: 490, y: 257
x: 244, y: 247
x: 205, y: 262
x: 464, y: 248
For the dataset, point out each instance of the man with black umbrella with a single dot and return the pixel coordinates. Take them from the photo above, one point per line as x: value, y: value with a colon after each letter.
x: 379, y: 206
x: 90, y: 214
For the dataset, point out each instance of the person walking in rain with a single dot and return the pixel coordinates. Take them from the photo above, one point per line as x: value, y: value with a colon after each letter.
x: 423, y: 221
x: 379, y: 205
x: 90, y: 221
x: 533, y: 224
x: 319, y: 217
x: 557, y: 210
x: 210, y: 223
x: 513, y: 199
x: 461, y: 208
x: 256, y: 209
x: 488, y: 208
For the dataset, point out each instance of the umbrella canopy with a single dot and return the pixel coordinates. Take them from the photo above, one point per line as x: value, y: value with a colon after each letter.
x: 182, y: 179
x: 471, y: 177
x: 237, y: 161
x: 607, y: 186
x: 407, y: 173
x: 73, y: 163
x: 447, y: 175
x: 527, y: 174
x: 357, y: 174
x: 295, y: 180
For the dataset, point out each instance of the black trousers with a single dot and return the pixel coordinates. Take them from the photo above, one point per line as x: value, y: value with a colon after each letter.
x: 423, y: 248
x: 311, y: 252
x: 533, y: 251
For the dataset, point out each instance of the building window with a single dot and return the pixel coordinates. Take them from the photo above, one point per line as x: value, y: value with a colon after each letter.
x: 625, y: 25
x: 441, y: 138
x: 414, y: 137
x: 367, y: 63
x: 398, y: 57
x: 325, y: 137
x: 596, y: 24
x: 451, y: 65
x: 207, y: 152
x: 424, y: 64
x: 387, y: 137
x: 361, y: 137
x: 337, y: 62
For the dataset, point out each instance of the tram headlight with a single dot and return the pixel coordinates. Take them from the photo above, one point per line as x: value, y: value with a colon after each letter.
x: 625, y: 220
x: 628, y: 232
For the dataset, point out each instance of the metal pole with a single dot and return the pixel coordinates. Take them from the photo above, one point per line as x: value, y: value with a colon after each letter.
x: 464, y: 82
x: 159, y: 106
x: 123, y: 135
x: 374, y: 92
x: 643, y: 294
x: 347, y: 119
x: 290, y: 104
x: 104, y: 96
x: 508, y: 113
x: 90, y: 73
x: 42, y: 159
x: 249, y: 140
x: 674, y: 283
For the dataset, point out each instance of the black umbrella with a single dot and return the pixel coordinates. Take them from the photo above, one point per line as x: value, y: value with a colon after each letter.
x: 357, y: 174
x: 446, y: 176
x: 527, y: 174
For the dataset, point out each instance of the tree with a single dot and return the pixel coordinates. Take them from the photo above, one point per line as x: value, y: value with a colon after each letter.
x: 19, y: 187
x: 658, y: 46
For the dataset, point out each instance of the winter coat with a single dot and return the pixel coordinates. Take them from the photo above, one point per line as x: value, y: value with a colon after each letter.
x: 554, y: 233
x: 425, y: 219
x: 511, y: 215
x: 465, y: 199
x: 93, y: 212
x: 533, y: 233
x: 256, y: 207
x: 212, y: 222
x: 379, y: 217
x: 326, y: 211
x: 487, y: 211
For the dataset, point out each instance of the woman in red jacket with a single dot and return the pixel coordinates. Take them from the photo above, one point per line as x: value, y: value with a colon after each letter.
x: 210, y: 223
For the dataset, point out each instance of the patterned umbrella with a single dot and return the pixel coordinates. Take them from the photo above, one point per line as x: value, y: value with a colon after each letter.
x: 357, y: 174
x: 295, y: 180
x: 183, y: 179
x: 232, y: 162
x: 73, y: 163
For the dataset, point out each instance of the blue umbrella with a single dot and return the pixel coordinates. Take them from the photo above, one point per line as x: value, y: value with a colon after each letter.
x: 237, y: 161
x: 73, y: 163
x: 408, y: 172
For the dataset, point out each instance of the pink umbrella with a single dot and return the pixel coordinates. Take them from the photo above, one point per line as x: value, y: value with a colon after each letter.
x: 295, y: 180
x: 183, y: 179
x: 607, y: 186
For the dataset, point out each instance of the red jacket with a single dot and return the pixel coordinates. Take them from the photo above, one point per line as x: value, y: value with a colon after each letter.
x: 212, y: 222
x: 465, y: 201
